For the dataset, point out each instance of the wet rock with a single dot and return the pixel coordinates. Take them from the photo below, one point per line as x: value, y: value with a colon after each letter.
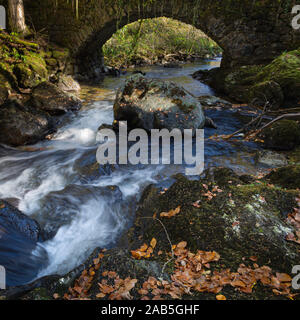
x: 172, y: 65
x: 67, y: 83
x: 21, y: 124
x: 209, y: 123
x: 286, y: 177
x: 106, y: 126
x: 111, y: 71
x: 47, y: 97
x: 20, y: 253
x: 25, y: 225
x: 139, y: 72
x: 212, y: 101
x: 89, y: 169
x: 271, y: 159
x: 155, y: 104
x: 282, y: 135
x: 241, y: 221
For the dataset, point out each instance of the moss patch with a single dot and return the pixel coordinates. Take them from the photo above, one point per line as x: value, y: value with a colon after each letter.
x: 282, y: 135
x: 286, y: 177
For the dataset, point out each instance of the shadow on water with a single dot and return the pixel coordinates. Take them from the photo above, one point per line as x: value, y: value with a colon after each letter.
x: 80, y: 205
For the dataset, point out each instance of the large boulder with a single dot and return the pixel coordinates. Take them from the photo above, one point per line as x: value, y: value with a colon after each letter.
x: 156, y: 104
x: 20, y: 124
x: 48, y: 97
x: 236, y: 219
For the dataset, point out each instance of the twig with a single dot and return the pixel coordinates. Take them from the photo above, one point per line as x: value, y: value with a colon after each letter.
x: 287, y: 115
x: 166, y: 232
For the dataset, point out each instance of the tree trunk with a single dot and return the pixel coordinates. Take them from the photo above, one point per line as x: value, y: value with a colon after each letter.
x: 16, y: 16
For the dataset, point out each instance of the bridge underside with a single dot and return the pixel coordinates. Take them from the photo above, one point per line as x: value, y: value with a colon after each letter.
x: 249, y: 32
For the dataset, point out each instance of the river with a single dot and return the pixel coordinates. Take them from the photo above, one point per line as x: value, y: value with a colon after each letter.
x: 80, y: 207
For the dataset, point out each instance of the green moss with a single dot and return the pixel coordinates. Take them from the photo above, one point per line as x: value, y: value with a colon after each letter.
x: 51, y: 62
x: 60, y: 54
x: 241, y: 221
x: 294, y: 156
x: 286, y: 177
x: 282, y: 135
x: 285, y: 70
x: 38, y: 294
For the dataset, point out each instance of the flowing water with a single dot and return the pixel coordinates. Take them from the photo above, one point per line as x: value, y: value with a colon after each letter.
x: 79, y: 207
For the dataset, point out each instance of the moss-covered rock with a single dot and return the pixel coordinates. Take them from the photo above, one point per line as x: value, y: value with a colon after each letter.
x: 286, y: 177
x: 285, y: 70
x: 277, y: 83
x: 267, y: 93
x: 241, y: 221
x: 282, y: 135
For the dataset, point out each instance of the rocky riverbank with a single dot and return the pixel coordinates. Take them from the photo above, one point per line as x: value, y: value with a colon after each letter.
x: 34, y: 89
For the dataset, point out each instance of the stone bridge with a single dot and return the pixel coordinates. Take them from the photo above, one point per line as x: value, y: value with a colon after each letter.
x: 249, y: 31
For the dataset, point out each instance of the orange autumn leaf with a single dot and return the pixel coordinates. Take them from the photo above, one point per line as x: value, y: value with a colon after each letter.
x: 143, y: 248
x: 181, y: 245
x: 171, y: 213
x: 220, y: 297
x: 283, y: 277
x: 153, y: 243
x: 137, y: 254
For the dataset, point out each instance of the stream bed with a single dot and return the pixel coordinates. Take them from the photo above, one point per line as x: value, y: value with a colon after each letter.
x: 79, y: 207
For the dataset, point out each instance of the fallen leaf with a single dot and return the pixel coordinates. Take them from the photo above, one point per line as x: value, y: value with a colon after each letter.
x: 171, y: 213
x: 153, y: 243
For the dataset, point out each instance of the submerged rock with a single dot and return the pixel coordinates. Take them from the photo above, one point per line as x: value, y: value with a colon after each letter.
x: 47, y: 97
x: 155, y: 104
x: 20, y: 125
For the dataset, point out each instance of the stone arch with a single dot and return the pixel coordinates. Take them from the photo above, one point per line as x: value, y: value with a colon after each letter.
x: 249, y: 32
